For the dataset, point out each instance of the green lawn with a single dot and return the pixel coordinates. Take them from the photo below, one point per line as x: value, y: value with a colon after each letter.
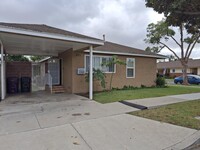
x: 182, y: 114
x: 117, y: 95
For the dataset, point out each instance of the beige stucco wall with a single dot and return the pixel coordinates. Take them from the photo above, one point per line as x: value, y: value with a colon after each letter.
x: 145, y: 74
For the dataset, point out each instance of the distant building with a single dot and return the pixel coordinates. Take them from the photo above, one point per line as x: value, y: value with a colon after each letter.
x: 174, y: 68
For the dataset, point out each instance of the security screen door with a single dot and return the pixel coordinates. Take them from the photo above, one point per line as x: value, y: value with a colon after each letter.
x: 54, y: 70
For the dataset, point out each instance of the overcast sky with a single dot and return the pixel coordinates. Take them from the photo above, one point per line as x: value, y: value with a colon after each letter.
x: 122, y: 21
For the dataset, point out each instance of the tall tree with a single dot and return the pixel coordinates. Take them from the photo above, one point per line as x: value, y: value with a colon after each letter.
x: 178, y: 11
x: 183, y: 15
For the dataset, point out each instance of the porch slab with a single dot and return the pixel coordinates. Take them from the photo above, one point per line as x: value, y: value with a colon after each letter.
x: 62, y: 137
x: 17, y: 123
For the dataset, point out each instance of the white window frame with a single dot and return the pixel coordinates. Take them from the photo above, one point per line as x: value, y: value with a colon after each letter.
x: 101, y: 62
x: 130, y: 67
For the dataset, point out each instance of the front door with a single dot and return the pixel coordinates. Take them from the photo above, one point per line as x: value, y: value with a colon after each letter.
x: 54, y: 70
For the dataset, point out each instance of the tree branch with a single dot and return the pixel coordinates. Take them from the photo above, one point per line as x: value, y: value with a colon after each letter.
x: 175, y: 41
x: 170, y: 49
x: 188, y: 48
x: 189, y: 45
x: 192, y: 47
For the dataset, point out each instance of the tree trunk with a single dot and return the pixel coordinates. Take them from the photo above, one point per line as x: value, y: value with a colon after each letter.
x: 185, y: 67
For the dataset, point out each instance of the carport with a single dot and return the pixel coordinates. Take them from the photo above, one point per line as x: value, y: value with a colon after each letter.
x: 31, y: 39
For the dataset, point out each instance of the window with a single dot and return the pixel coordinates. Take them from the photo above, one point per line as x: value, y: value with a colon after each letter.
x: 130, y: 68
x: 173, y: 70
x: 97, y: 63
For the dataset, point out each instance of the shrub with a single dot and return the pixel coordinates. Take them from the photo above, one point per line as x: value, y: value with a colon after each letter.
x: 129, y: 87
x: 99, y: 76
x: 116, y: 89
x: 143, y: 86
x: 160, y: 82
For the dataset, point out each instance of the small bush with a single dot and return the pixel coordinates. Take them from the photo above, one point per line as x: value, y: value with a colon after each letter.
x: 143, y: 86
x: 129, y: 87
x: 116, y: 89
x: 160, y: 82
x: 99, y: 76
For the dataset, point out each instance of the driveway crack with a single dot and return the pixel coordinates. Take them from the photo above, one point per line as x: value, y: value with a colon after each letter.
x: 37, y: 121
x: 81, y: 136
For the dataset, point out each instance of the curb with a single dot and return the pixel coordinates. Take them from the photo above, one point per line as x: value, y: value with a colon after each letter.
x: 186, y: 143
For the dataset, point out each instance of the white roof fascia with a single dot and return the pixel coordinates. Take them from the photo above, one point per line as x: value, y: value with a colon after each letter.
x: 44, y: 59
x: 49, y: 35
x: 128, y: 54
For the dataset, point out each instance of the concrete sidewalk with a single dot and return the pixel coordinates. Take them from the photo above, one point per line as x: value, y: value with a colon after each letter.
x: 118, y: 132
x: 17, y: 118
x: 160, y: 101
x: 86, y: 125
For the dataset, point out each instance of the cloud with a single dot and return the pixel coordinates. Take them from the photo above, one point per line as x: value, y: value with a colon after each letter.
x: 122, y: 21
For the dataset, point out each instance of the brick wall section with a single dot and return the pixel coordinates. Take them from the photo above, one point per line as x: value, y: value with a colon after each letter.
x: 18, y: 69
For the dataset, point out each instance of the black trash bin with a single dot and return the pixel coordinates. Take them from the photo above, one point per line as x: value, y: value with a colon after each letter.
x: 25, y: 84
x: 12, y: 85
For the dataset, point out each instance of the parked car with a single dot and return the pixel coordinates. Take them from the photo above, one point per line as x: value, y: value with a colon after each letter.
x: 192, y: 79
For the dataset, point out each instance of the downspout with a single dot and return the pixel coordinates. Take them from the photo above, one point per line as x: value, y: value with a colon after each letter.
x: 91, y: 74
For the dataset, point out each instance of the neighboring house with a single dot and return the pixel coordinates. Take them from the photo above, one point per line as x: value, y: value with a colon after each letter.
x: 70, y: 53
x: 174, y: 68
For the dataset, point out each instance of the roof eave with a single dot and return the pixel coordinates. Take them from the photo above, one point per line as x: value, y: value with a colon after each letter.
x: 128, y: 54
x: 12, y: 30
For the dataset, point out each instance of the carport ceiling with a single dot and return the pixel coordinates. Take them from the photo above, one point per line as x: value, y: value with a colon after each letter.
x: 31, y: 45
x: 33, y: 39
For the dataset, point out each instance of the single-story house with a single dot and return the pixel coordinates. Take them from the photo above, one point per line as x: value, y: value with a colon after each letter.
x: 71, y: 55
x: 174, y: 68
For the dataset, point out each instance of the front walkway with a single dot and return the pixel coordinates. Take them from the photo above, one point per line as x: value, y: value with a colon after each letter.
x: 165, y: 100
x: 79, y: 123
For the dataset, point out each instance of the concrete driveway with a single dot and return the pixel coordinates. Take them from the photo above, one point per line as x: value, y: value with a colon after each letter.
x: 79, y: 123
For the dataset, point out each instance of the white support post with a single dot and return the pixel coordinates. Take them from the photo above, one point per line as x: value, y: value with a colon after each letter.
x: 91, y: 74
x: 3, y: 90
